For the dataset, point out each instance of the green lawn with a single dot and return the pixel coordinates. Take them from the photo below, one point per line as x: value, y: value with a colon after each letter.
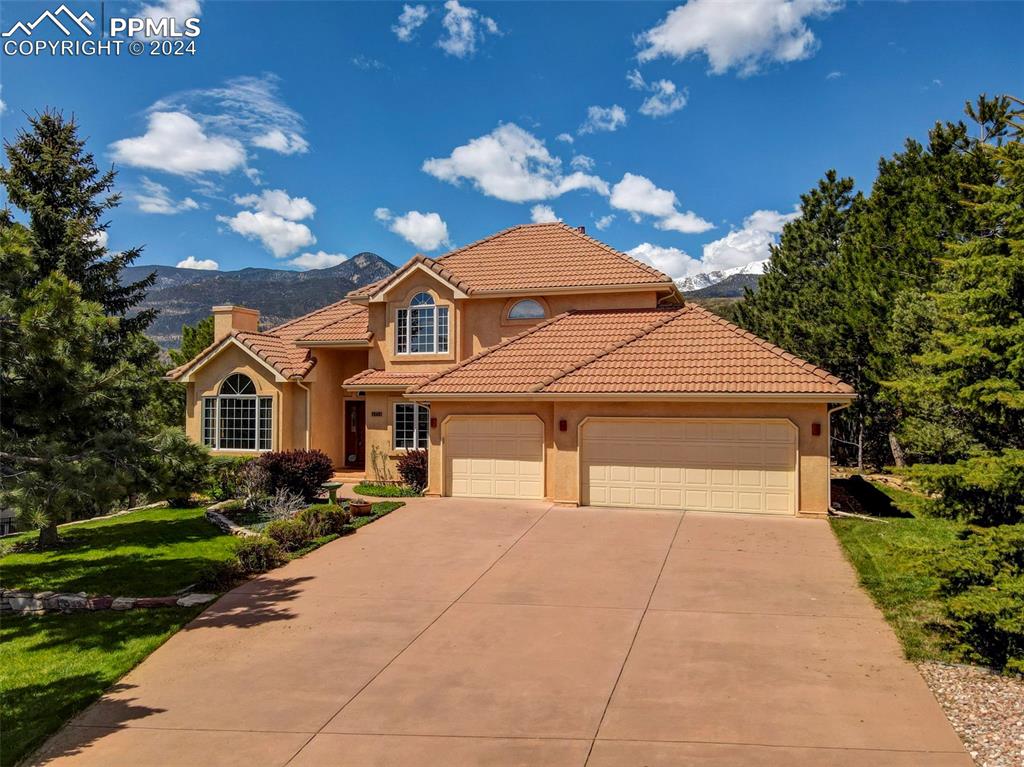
x: 384, y: 491
x: 147, y: 553
x: 891, y: 558
x: 53, y: 666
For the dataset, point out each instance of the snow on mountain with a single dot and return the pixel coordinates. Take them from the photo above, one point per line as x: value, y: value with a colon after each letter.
x: 707, y: 279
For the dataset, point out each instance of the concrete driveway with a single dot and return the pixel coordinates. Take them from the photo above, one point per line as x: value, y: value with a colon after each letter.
x: 457, y: 632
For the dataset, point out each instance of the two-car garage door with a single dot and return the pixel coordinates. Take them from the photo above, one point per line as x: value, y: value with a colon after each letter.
x: 698, y: 464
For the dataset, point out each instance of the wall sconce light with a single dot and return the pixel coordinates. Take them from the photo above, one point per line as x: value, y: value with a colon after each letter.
x: 433, y: 422
x: 563, y: 425
x: 816, y: 429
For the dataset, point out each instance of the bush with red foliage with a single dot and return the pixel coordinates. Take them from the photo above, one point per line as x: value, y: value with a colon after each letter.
x: 301, y: 471
x: 412, y: 468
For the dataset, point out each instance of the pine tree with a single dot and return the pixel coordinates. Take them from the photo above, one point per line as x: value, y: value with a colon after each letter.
x: 968, y: 379
x: 194, y: 339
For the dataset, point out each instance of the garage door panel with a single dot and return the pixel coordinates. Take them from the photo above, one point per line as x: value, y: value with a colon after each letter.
x: 746, y: 465
x: 494, y: 457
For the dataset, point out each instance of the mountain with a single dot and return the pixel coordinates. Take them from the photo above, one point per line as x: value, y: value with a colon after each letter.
x: 704, y: 280
x: 730, y: 287
x: 184, y: 296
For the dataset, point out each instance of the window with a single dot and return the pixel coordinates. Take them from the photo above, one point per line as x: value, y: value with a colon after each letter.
x: 422, y: 328
x: 412, y: 426
x: 527, y: 309
x: 237, y: 419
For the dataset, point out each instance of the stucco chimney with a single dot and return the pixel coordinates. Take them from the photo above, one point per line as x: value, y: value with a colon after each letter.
x: 228, y: 318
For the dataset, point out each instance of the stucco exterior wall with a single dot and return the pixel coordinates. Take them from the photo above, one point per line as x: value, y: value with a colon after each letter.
x: 562, y: 483
x: 382, y: 325
x: 332, y: 367
x: 380, y: 416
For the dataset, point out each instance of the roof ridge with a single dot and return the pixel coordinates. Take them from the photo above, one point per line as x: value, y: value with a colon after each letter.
x: 273, y: 330
x: 810, y: 367
x: 625, y: 256
x: 489, y: 350
x: 481, y: 241
x: 645, y: 330
x: 356, y: 308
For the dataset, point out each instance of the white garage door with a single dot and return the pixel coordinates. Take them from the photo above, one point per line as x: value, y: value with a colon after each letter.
x: 746, y: 465
x: 494, y: 456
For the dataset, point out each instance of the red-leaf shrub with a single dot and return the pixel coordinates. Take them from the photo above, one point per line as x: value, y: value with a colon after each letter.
x: 412, y: 468
x: 301, y: 471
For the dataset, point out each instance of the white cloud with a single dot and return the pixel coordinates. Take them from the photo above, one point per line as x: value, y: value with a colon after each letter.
x: 3, y: 106
x: 582, y: 162
x: 278, y: 235
x: 463, y: 28
x: 638, y: 196
x: 511, y: 164
x: 175, y: 143
x: 99, y: 237
x: 318, y: 260
x: 606, y: 119
x: 834, y: 75
x: 741, y: 35
x: 672, y: 261
x: 604, y: 222
x: 277, y: 202
x: 426, y: 231
x: 246, y: 109
x: 179, y: 10
x: 565, y: 137
x: 192, y: 262
x: 279, y: 141
x: 750, y: 243
x: 411, y: 19
x: 156, y: 198
x: 543, y: 214
x: 367, y: 63
x: 666, y: 98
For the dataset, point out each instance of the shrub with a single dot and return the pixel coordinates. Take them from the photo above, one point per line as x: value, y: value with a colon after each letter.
x: 220, y: 576
x: 324, y: 519
x: 257, y: 555
x: 252, y: 484
x: 222, y: 483
x: 412, y: 468
x: 301, y: 471
x: 385, y: 491
x: 177, y: 468
x: 984, y: 489
x: 983, y: 576
x: 290, y: 534
x: 283, y: 504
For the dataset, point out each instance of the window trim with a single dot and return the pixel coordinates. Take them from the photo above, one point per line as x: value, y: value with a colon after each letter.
x: 210, y: 434
x: 417, y: 407
x: 543, y: 310
x: 403, y: 326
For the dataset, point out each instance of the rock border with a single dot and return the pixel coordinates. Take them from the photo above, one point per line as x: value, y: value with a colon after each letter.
x: 226, y: 525
x: 37, y: 603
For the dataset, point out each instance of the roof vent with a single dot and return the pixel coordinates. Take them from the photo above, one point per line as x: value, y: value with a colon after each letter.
x: 581, y: 229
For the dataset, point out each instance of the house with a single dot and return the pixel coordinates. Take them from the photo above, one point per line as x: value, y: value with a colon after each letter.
x: 538, y: 363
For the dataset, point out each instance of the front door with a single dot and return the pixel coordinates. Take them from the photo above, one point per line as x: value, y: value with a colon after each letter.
x: 355, y: 434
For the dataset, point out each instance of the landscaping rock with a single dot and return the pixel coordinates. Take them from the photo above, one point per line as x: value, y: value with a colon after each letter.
x: 122, y: 603
x: 984, y: 707
x: 100, y: 603
x: 69, y: 602
x: 191, y: 600
x: 156, y: 601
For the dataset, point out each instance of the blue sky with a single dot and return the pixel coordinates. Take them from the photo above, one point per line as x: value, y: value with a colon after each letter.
x: 300, y: 133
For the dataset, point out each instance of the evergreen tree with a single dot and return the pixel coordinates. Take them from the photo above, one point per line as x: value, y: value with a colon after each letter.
x: 964, y: 392
x: 194, y: 338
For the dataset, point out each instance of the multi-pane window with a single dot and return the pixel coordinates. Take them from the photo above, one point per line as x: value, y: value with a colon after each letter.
x: 422, y: 328
x: 527, y: 309
x: 412, y: 425
x: 238, y: 419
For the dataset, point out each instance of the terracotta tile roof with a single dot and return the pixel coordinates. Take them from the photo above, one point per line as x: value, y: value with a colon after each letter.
x: 534, y: 257
x: 340, y: 321
x: 686, y: 351
x: 384, y: 378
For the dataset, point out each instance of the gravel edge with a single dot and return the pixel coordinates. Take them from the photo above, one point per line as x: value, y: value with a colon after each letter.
x: 985, y: 708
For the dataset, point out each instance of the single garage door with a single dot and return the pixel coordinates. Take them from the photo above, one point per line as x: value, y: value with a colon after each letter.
x: 494, y: 456
x: 699, y: 464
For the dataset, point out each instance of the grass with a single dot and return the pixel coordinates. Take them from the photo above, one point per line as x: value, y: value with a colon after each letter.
x: 892, y: 559
x: 385, y: 491
x: 379, y: 509
x: 53, y: 666
x: 143, y: 554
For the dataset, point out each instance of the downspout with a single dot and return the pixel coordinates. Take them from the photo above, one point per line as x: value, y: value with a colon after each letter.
x: 828, y: 418
x: 305, y: 388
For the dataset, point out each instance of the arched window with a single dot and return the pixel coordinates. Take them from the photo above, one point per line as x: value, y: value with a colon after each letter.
x: 238, y: 419
x: 527, y: 309
x: 422, y: 327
